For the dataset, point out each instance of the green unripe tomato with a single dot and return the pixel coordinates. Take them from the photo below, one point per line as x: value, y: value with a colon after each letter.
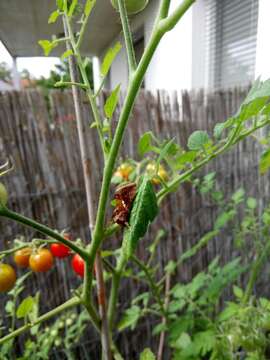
x: 3, y: 195
x: 132, y: 6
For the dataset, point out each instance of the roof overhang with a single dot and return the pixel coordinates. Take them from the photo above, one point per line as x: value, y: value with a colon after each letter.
x: 24, y: 22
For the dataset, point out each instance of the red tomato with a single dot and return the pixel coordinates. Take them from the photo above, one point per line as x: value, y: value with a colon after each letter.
x: 59, y: 250
x: 78, y: 265
x: 7, y: 277
x: 21, y: 257
x: 41, y: 261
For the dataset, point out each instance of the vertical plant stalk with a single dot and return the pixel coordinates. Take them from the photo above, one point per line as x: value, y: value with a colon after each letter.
x: 105, y: 335
x: 164, y: 320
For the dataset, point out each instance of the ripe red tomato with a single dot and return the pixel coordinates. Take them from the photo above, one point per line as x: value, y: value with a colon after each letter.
x: 78, y: 265
x: 7, y: 277
x: 21, y: 257
x: 59, y: 250
x: 41, y: 261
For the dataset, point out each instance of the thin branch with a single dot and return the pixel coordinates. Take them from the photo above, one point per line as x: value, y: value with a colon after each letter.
x: 70, y: 83
x: 169, y: 23
x: 5, y: 212
x: 67, y: 305
x: 164, y: 9
x: 127, y: 36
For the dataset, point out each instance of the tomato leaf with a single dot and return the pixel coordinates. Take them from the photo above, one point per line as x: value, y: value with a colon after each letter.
x: 66, y: 54
x: 264, y: 164
x: 255, y: 100
x: 147, y: 355
x: 25, y: 307
x: 197, y: 140
x: 109, y: 58
x: 111, y: 102
x: 145, y: 143
x: 53, y: 17
x: 47, y: 46
x: 130, y: 318
x: 72, y: 8
x: 144, y: 211
x: 59, y: 4
x: 89, y: 7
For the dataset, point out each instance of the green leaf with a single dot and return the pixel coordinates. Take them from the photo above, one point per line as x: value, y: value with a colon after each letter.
x: 238, y: 196
x: 111, y: 102
x: 165, y: 150
x: 88, y: 7
x: 197, y: 140
x: 53, y: 17
x: 47, y: 46
x: 145, y: 143
x: 183, y: 341
x: 66, y: 54
x: 255, y: 100
x: 109, y: 58
x: 251, y: 203
x: 238, y: 292
x: 59, y: 4
x: 25, y: 307
x: 159, y: 328
x: 223, y: 219
x: 230, y: 311
x: 130, y: 318
x: 72, y: 8
x: 264, y: 164
x: 147, y: 355
x: 144, y: 211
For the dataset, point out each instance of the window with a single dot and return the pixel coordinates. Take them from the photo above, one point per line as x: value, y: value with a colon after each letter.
x: 231, y: 28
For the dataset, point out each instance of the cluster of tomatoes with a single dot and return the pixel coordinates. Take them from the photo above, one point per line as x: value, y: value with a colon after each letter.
x: 125, y: 172
x: 38, y: 260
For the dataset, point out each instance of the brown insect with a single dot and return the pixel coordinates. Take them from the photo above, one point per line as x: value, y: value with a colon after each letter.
x: 123, y: 197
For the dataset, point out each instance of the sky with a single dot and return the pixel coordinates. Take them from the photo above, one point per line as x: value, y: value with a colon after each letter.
x: 37, y: 66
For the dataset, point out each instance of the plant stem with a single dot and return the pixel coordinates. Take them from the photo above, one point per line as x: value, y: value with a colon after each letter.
x: 128, y: 37
x: 164, y: 8
x: 152, y: 284
x: 255, y: 272
x: 115, y: 289
x: 87, y: 294
x: 70, y: 303
x: 5, y: 212
x: 164, y: 320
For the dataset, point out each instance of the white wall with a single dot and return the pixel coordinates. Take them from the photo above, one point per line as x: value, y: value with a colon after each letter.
x: 171, y: 66
x: 263, y: 42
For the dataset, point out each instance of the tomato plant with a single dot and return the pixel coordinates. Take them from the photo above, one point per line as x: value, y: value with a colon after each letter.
x: 21, y: 257
x: 163, y: 163
x: 41, y: 260
x: 7, y: 277
x: 78, y: 265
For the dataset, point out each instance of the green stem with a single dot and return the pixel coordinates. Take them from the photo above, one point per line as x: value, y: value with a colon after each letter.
x: 115, y: 289
x: 128, y: 37
x: 255, y: 272
x: 132, y: 92
x: 164, y: 8
x: 70, y: 83
x: 5, y: 212
x: 90, y: 95
x: 152, y: 284
x: 70, y: 303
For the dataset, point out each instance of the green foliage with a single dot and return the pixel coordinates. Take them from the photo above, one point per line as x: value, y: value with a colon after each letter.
x: 47, y: 46
x: 53, y: 17
x: 198, y: 140
x: 264, y: 164
x: 111, y: 102
x: 89, y: 7
x: 147, y: 355
x: 109, y: 58
x: 144, y: 211
x: 130, y: 318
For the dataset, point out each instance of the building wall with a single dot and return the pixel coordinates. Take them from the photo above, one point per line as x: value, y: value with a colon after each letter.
x: 171, y: 66
x: 181, y: 58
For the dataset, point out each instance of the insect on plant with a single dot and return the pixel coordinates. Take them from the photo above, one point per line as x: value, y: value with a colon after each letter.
x: 143, y: 185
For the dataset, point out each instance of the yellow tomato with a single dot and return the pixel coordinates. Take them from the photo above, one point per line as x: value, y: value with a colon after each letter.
x: 162, y: 173
x: 123, y: 171
x: 7, y: 277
